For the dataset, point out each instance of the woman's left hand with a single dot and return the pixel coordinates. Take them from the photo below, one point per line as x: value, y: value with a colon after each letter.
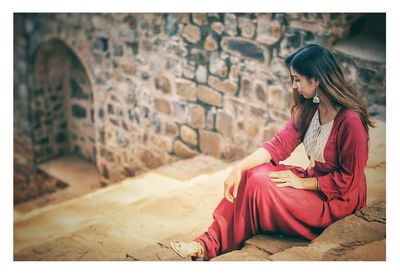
x: 286, y: 179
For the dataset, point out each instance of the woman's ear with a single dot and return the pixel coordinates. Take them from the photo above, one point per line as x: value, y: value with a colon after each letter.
x: 316, y: 82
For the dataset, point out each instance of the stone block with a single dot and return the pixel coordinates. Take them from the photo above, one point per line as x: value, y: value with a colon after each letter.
x: 208, y: 95
x: 224, y: 123
x: 210, y: 43
x: 273, y: 243
x: 230, y: 24
x: 234, y: 73
x: 171, y: 24
x: 261, y: 92
x: 189, y: 71
x: 165, y: 144
x: 247, y: 27
x: 186, y: 89
x: 196, y: 116
x: 252, y: 127
x: 170, y: 129
x: 201, y: 74
x: 246, y: 87
x: 298, y: 253
x: 163, y: 83
x: 183, y: 151
x: 218, y: 27
x: 374, y: 251
x: 233, y: 152
x: 192, y: 33
x: 162, y: 106
x: 210, y: 118
x: 183, y: 18
x: 350, y: 229
x: 268, y: 31
x: 200, y: 18
x: 247, y: 253
x: 270, y: 130
x: 225, y: 86
x: 376, y: 213
x: 218, y: 66
x: 257, y: 111
x: 150, y: 159
x: 180, y: 114
x: 210, y: 143
x: 100, y: 22
x: 244, y: 48
x: 276, y: 97
x: 188, y: 135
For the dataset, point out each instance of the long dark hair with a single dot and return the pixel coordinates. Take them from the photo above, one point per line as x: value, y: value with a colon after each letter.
x: 318, y: 62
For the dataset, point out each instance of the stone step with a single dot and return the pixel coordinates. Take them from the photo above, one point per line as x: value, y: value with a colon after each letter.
x: 358, y: 237
x: 152, y: 207
x: 261, y: 247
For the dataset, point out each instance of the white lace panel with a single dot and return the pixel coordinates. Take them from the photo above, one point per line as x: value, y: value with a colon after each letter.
x: 316, y: 138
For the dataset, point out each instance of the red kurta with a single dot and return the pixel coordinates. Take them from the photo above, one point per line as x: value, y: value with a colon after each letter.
x: 262, y: 207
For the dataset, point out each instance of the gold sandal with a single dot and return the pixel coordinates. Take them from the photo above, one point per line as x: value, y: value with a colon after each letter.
x: 185, y: 251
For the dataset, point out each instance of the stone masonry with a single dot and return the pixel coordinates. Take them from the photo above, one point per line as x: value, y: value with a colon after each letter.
x: 131, y: 92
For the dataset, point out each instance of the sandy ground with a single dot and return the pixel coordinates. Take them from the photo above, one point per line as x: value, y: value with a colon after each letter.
x: 132, y: 219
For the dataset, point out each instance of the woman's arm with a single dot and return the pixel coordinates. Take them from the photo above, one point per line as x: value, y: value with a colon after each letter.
x: 284, y: 142
x: 258, y: 157
x: 353, y: 154
x: 310, y: 183
x: 278, y: 148
x: 289, y: 179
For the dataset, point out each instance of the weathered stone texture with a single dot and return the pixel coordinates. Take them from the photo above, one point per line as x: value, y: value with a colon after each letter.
x: 183, y: 151
x: 188, y: 135
x: 210, y: 143
x: 196, y: 116
x: 349, y: 239
x: 209, y: 96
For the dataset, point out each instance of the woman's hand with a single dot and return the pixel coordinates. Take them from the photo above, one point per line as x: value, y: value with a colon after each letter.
x: 233, y: 179
x: 287, y: 179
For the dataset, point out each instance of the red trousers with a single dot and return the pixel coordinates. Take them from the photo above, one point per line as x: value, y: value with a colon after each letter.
x: 262, y: 207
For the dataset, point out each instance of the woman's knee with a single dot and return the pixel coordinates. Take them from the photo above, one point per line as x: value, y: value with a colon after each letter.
x: 257, y: 181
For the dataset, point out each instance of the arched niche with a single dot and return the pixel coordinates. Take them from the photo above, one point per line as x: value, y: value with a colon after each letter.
x: 62, y: 107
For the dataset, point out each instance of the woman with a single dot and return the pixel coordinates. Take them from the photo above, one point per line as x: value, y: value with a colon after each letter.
x: 261, y: 195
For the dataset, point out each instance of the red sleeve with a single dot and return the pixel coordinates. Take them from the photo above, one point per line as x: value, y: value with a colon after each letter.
x: 283, y: 143
x: 352, y: 146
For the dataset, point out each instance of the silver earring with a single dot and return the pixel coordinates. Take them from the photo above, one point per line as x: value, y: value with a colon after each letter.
x: 316, y: 98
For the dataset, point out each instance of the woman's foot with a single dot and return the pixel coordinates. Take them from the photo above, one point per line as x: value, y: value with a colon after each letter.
x: 189, y: 249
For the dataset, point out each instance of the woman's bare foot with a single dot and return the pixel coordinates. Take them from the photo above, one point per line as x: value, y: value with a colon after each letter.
x: 189, y: 249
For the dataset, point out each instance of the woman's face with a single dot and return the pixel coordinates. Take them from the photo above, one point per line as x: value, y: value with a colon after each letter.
x: 303, y: 85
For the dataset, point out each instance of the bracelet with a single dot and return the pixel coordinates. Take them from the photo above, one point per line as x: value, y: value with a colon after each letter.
x: 317, y: 182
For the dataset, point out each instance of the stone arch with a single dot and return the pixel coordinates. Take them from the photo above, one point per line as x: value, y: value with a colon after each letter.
x: 63, y: 106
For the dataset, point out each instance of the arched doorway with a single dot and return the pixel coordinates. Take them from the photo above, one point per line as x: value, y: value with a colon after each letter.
x: 63, y: 113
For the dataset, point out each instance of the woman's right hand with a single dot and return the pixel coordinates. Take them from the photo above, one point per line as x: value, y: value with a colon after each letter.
x: 233, y: 179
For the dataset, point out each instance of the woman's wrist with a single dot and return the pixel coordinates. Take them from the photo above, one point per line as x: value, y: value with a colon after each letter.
x: 310, y: 183
x: 237, y: 167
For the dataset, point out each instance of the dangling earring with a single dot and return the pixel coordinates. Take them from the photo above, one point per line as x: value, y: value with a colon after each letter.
x: 316, y: 98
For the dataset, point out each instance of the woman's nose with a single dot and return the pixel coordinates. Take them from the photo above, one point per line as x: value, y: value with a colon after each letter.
x: 294, y: 85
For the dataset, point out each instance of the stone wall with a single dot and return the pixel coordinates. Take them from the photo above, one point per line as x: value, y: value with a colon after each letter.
x: 131, y: 92
x: 62, y: 104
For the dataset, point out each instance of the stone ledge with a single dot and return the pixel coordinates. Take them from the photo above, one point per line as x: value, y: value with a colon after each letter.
x: 358, y: 237
x: 247, y: 253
